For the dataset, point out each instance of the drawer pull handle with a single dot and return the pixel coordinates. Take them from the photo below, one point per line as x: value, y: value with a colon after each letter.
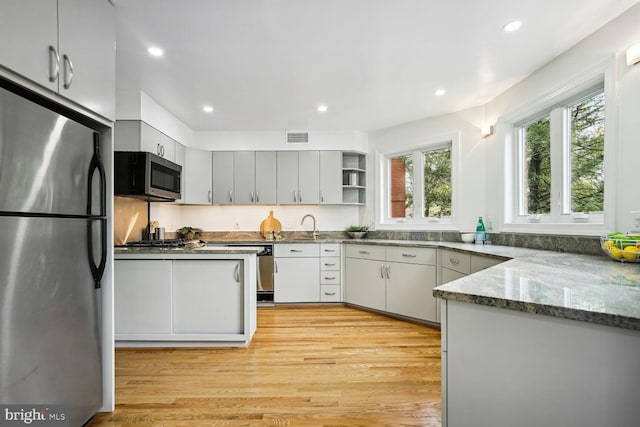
x: 364, y: 252
x: 329, y: 250
x: 329, y: 294
x: 329, y: 264
x: 409, y: 255
x: 455, y: 261
x: 330, y: 278
x: 295, y: 250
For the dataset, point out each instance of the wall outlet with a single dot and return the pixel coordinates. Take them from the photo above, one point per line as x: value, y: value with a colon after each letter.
x: 236, y: 225
x: 289, y: 226
x: 636, y: 219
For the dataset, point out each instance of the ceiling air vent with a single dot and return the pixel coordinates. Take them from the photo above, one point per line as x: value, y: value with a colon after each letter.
x: 297, y: 137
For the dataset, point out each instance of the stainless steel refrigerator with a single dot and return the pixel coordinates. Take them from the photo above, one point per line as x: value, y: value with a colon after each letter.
x: 52, y: 257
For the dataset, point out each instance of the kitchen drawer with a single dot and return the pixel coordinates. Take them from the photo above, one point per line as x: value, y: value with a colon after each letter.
x: 329, y: 277
x: 450, y: 275
x: 425, y: 256
x: 330, y: 293
x: 296, y: 250
x: 330, y: 263
x: 481, y: 262
x: 365, y: 252
x: 330, y: 249
x: 456, y: 261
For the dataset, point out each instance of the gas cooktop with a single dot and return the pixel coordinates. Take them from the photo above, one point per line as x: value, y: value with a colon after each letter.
x: 166, y: 243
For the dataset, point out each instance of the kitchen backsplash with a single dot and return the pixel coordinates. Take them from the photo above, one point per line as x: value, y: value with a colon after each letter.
x: 130, y: 220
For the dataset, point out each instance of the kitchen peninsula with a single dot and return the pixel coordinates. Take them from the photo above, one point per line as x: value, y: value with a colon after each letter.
x: 177, y: 297
x: 543, y: 339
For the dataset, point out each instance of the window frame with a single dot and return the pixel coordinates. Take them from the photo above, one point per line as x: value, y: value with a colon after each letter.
x: 417, y: 149
x: 555, y: 105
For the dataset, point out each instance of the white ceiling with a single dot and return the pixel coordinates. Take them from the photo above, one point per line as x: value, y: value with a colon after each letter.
x: 267, y: 64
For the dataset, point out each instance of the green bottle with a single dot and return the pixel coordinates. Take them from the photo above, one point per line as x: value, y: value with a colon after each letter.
x: 480, y: 232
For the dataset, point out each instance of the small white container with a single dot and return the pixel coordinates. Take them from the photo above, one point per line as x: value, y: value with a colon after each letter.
x: 353, y: 178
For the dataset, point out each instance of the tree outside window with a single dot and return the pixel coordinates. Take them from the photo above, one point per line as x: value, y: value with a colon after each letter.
x: 432, y: 179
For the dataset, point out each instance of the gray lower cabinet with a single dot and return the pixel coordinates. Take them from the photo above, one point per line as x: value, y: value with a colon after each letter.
x: 296, y: 272
x: 207, y: 297
x: 395, y: 279
x: 142, y: 297
x: 181, y: 301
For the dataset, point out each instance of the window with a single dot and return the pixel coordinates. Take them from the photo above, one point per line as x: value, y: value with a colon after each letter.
x: 419, y: 185
x: 560, y: 162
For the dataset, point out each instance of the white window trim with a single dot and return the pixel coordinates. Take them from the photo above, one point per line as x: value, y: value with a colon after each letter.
x: 603, y: 74
x: 382, y: 174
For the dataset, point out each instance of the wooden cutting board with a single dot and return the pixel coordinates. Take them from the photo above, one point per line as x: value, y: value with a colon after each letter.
x: 269, y: 224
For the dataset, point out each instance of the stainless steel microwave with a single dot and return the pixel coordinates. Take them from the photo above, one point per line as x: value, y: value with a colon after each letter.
x: 146, y: 176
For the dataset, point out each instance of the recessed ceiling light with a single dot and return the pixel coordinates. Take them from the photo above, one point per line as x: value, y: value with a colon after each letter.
x: 322, y: 108
x: 512, y: 26
x: 155, y: 51
x: 439, y: 92
x: 207, y: 109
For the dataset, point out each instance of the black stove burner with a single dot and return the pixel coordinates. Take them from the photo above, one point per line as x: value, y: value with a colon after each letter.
x: 167, y: 243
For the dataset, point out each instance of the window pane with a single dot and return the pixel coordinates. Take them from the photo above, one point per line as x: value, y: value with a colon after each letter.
x: 587, y: 155
x: 401, y: 186
x: 537, y: 167
x: 437, y: 183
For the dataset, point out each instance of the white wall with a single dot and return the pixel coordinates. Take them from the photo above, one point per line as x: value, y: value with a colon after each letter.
x: 248, y: 218
x: 276, y: 140
x: 482, y: 178
x: 469, y: 203
x: 137, y: 105
x: 603, y: 49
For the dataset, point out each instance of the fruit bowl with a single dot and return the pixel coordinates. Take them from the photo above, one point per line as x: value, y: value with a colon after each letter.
x: 623, y: 249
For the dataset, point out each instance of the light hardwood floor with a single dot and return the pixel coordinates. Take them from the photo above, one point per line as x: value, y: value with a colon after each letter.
x: 306, y: 366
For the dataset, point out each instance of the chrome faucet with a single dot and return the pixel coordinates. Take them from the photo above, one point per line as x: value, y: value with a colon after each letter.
x: 315, y: 231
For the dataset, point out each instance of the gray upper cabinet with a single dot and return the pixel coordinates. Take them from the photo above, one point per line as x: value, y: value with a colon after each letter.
x: 287, y: 177
x: 266, y: 177
x: 330, y: 177
x: 197, y: 177
x: 298, y: 177
x: 244, y: 177
x: 136, y: 135
x: 223, y: 169
x: 27, y: 29
x: 180, y: 158
x: 66, y: 46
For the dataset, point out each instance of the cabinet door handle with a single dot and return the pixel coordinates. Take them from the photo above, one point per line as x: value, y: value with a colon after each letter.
x: 251, y: 195
x: 455, y: 261
x: 275, y: 266
x: 158, y: 150
x: 382, y: 271
x: 162, y: 149
x: 329, y: 294
x: 54, y: 64
x: 257, y: 197
x: 230, y: 197
x: 388, y: 270
x: 210, y: 196
x: 300, y: 196
x: 67, y: 70
x: 364, y: 252
x: 322, y: 197
x: 409, y: 255
x: 236, y: 273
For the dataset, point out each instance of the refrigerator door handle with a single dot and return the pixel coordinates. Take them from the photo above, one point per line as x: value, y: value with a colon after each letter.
x: 96, y: 165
